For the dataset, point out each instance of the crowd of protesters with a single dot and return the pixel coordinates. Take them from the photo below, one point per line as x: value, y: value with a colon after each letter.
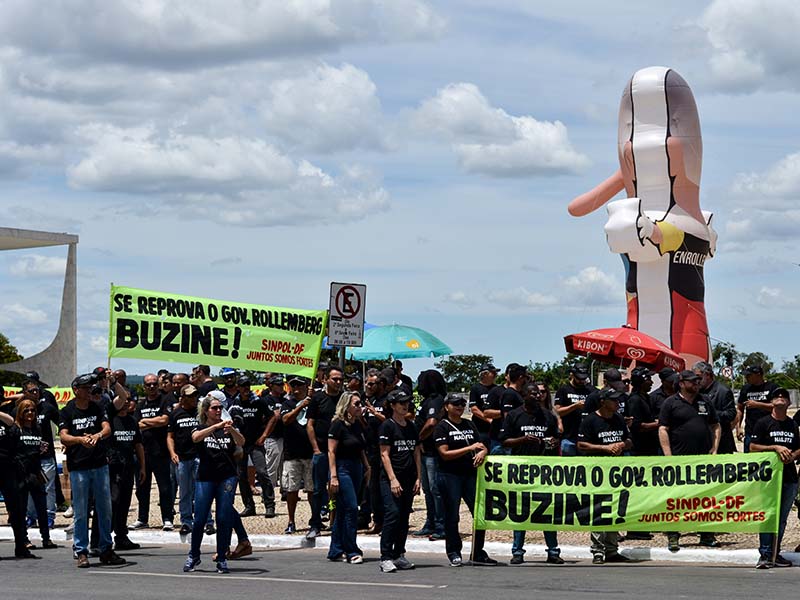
x: 360, y: 450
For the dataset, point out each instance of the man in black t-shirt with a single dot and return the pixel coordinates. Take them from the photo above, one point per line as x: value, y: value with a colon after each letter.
x: 570, y: 400
x: 125, y: 451
x: 688, y: 425
x: 753, y: 403
x: 183, y: 453
x: 644, y: 424
x: 82, y: 428
x: 274, y: 395
x: 320, y: 413
x: 604, y: 433
x: 255, y: 416
x: 669, y: 385
x: 153, y: 417
x: 502, y: 404
x: 778, y: 433
x: 297, y: 452
x: 374, y: 414
x: 530, y: 430
x: 478, y: 398
x: 721, y: 397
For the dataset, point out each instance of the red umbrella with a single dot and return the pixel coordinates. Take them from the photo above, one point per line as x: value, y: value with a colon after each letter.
x: 624, y: 344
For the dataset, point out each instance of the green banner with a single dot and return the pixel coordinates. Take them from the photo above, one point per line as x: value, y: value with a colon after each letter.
x: 168, y: 327
x: 724, y: 493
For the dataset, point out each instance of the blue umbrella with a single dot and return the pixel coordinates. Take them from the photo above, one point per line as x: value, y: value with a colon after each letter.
x: 398, y: 341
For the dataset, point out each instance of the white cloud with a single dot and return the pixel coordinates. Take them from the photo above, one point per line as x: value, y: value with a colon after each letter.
x: 36, y: 265
x: 99, y: 343
x: 591, y: 288
x: 241, y: 181
x: 772, y: 298
x: 14, y: 315
x: 326, y: 109
x: 754, y: 43
x: 520, y: 297
x: 192, y: 33
x: 748, y: 226
x: 15, y: 157
x: 460, y: 298
x: 491, y: 142
x: 776, y: 189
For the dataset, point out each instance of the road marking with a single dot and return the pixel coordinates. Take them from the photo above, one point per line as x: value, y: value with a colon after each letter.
x: 222, y: 578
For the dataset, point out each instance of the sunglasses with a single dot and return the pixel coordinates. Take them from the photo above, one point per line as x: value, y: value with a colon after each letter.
x: 151, y: 385
x: 28, y: 410
x: 216, y: 407
x: 337, y: 379
x: 461, y: 403
x: 357, y: 404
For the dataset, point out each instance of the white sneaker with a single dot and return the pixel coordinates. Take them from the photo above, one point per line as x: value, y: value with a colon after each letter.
x: 168, y: 526
x: 388, y: 566
x: 403, y: 564
x: 69, y: 513
x: 137, y: 525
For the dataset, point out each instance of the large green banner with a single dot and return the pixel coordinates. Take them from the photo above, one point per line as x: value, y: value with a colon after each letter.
x: 168, y: 327
x: 725, y: 493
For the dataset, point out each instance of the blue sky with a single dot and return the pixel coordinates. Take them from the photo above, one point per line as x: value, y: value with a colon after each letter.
x: 426, y: 149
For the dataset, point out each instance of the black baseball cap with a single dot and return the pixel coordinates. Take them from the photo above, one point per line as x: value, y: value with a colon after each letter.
x: 276, y: 380
x: 454, y: 399
x: 780, y: 392
x: 611, y: 394
x: 396, y: 396
x: 688, y: 376
x: 244, y: 380
x: 354, y: 375
x: 579, y: 371
x: 298, y: 380
x: 488, y: 367
x: 639, y: 374
x: 84, y: 380
x: 612, y: 375
x: 666, y: 373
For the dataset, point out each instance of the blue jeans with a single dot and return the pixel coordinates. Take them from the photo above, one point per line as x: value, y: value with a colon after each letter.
x: 95, y: 482
x: 569, y: 448
x: 434, y: 520
x: 765, y: 540
x: 455, y: 488
x: 223, y: 493
x: 550, y: 538
x: 746, y: 442
x: 497, y: 448
x: 350, y: 472
x: 187, y: 474
x: 319, y: 470
x: 50, y: 473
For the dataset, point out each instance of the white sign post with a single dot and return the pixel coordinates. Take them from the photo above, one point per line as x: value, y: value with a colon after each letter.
x: 346, y: 323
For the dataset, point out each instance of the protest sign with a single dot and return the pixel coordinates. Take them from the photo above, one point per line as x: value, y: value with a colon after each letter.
x: 725, y: 493
x: 169, y: 327
x: 61, y: 394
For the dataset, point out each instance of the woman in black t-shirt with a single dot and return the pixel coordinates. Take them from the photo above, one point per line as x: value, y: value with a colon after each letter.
x: 348, y: 466
x: 460, y: 455
x: 219, y: 444
x: 29, y: 451
x: 400, y: 477
x: 125, y: 445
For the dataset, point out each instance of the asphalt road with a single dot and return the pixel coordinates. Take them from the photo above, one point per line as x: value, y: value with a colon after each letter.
x: 156, y: 572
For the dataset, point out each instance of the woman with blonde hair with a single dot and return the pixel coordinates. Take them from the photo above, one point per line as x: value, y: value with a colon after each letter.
x: 218, y: 443
x: 348, y: 466
x: 30, y: 448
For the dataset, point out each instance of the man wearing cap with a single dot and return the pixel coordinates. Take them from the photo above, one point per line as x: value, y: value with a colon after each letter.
x: 722, y: 398
x: 83, y: 425
x: 297, y: 452
x: 644, y: 424
x: 612, y: 380
x: 603, y: 433
x: 405, y: 381
x: 669, y: 385
x: 778, y: 433
x: 688, y: 425
x: 753, y: 403
x: 354, y: 382
x: 502, y: 403
x: 478, y: 396
x: 256, y: 417
x: 274, y: 395
x: 182, y: 422
x: 570, y: 402
x: 153, y: 417
x: 375, y: 413
x: 229, y: 387
x: 44, y: 394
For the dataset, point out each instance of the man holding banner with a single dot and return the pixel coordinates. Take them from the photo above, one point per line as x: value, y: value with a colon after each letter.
x: 778, y: 433
x: 604, y: 433
x: 688, y: 424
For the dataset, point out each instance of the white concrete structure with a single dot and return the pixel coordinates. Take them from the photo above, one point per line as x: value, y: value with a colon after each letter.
x: 57, y: 364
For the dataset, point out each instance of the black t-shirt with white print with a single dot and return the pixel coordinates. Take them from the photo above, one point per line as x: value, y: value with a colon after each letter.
x: 46, y: 416
x: 478, y: 396
x: 216, y: 452
x: 125, y: 435
x: 78, y: 422
x: 182, y: 423
x: 402, y: 442
x: 759, y: 393
x: 154, y: 439
x: 567, y: 395
x: 539, y: 423
x: 455, y: 436
x: 600, y: 431
x: 769, y: 431
x: 29, y: 448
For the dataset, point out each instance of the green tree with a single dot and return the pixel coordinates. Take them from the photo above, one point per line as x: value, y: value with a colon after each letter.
x: 9, y: 353
x: 460, y: 371
x: 758, y: 359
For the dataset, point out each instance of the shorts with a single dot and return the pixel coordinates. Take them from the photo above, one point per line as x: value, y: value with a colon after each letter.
x: 297, y: 475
